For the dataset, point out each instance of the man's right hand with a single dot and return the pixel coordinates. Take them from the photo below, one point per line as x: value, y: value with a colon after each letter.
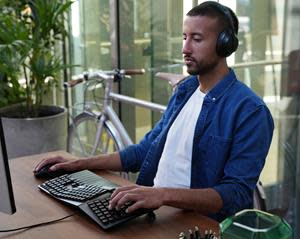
x: 61, y: 162
x: 72, y: 163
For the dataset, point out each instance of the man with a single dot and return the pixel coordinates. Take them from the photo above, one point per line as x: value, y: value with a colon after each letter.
x: 207, y: 151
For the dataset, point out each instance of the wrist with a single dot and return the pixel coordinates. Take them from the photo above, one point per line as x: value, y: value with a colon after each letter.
x: 81, y: 164
x: 163, y: 195
x: 89, y: 163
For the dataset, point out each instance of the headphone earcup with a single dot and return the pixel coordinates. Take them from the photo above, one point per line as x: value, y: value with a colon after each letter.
x: 227, y: 43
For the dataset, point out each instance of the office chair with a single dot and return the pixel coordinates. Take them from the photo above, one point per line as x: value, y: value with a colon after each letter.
x: 259, y: 197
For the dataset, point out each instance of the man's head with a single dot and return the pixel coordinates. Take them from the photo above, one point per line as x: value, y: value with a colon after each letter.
x: 210, y: 34
x: 227, y: 26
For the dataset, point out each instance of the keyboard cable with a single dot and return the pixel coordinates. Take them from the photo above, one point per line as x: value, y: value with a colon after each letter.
x: 38, y: 224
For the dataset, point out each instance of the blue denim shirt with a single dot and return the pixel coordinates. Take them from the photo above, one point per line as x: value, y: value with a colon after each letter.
x: 231, y: 141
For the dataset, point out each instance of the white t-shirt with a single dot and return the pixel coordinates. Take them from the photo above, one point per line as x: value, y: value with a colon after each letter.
x: 174, y: 169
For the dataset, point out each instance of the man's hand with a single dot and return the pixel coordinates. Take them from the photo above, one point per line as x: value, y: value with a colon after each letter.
x: 72, y: 163
x: 60, y: 162
x: 142, y: 197
x: 205, y: 200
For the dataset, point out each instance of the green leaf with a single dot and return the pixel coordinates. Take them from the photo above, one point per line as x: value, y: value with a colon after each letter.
x: 29, y: 32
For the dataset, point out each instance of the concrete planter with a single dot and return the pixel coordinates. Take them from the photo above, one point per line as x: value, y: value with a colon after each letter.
x: 27, y: 136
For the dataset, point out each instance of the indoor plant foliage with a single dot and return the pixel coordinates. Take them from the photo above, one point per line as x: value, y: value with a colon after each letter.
x: 13, y: 37
x: 29, y: 32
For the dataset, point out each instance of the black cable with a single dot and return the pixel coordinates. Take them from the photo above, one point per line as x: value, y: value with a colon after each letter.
x: 38, y: 225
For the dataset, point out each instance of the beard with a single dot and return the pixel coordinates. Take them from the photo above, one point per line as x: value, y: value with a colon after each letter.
x: 198, y: 68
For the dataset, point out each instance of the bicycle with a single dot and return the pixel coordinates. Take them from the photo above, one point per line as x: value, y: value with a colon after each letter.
x: 100, y: 132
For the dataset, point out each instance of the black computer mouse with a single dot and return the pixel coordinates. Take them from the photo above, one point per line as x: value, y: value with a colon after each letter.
x: 45, y: 173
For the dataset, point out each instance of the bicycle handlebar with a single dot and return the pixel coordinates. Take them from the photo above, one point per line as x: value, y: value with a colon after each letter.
x: 106, y: 75
x: 133, y: 72
x: 72, y: 83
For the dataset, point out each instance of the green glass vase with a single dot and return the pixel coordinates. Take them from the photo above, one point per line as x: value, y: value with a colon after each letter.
x: 255, y: 224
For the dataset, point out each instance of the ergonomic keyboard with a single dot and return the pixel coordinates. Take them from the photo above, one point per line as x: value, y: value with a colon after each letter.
x: 91, y: 193
x: 73, y: 189
x: 76, y: 188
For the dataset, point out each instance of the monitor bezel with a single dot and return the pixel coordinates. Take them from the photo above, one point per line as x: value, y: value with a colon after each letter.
x: 10, y: 208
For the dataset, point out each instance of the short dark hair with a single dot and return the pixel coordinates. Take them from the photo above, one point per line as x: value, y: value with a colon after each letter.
x: 226, y: 17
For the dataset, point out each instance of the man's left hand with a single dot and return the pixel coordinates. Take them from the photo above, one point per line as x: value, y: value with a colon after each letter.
x: 142, y: 197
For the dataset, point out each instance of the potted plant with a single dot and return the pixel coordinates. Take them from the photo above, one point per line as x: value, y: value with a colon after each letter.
x: 30, y: 31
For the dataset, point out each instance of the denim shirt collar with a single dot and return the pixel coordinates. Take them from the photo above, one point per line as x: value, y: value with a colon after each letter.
x: 215, y: 93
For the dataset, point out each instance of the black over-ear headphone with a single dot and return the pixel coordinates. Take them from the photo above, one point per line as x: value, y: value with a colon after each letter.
x: 227, y: 41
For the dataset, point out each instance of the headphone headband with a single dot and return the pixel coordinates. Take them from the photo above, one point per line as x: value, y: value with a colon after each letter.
x: 226, y: 13
x: 227, y: 41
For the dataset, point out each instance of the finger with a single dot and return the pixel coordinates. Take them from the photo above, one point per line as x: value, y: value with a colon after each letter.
x: 68, y: 165
x: 46, y: 161
x: 121, y: 189
x: 128, y: 197
x: 122, y: 196
x: 63, y: 166
x: 40, y: 165
x: 114, y: 201
x: 135, y: 206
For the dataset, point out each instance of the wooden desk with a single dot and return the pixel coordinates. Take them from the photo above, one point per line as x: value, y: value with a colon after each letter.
x: 34, y: 206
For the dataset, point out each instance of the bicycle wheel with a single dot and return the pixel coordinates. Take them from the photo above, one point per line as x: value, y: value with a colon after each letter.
x: 82, y: 136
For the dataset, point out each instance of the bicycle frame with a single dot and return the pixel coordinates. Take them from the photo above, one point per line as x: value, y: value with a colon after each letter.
x: 129, y: 100
x: 108, y: 113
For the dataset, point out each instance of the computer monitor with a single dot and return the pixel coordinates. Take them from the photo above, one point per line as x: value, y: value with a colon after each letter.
x: 7, y: 202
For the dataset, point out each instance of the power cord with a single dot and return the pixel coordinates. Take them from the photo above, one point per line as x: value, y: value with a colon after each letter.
x: 39, y: 224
